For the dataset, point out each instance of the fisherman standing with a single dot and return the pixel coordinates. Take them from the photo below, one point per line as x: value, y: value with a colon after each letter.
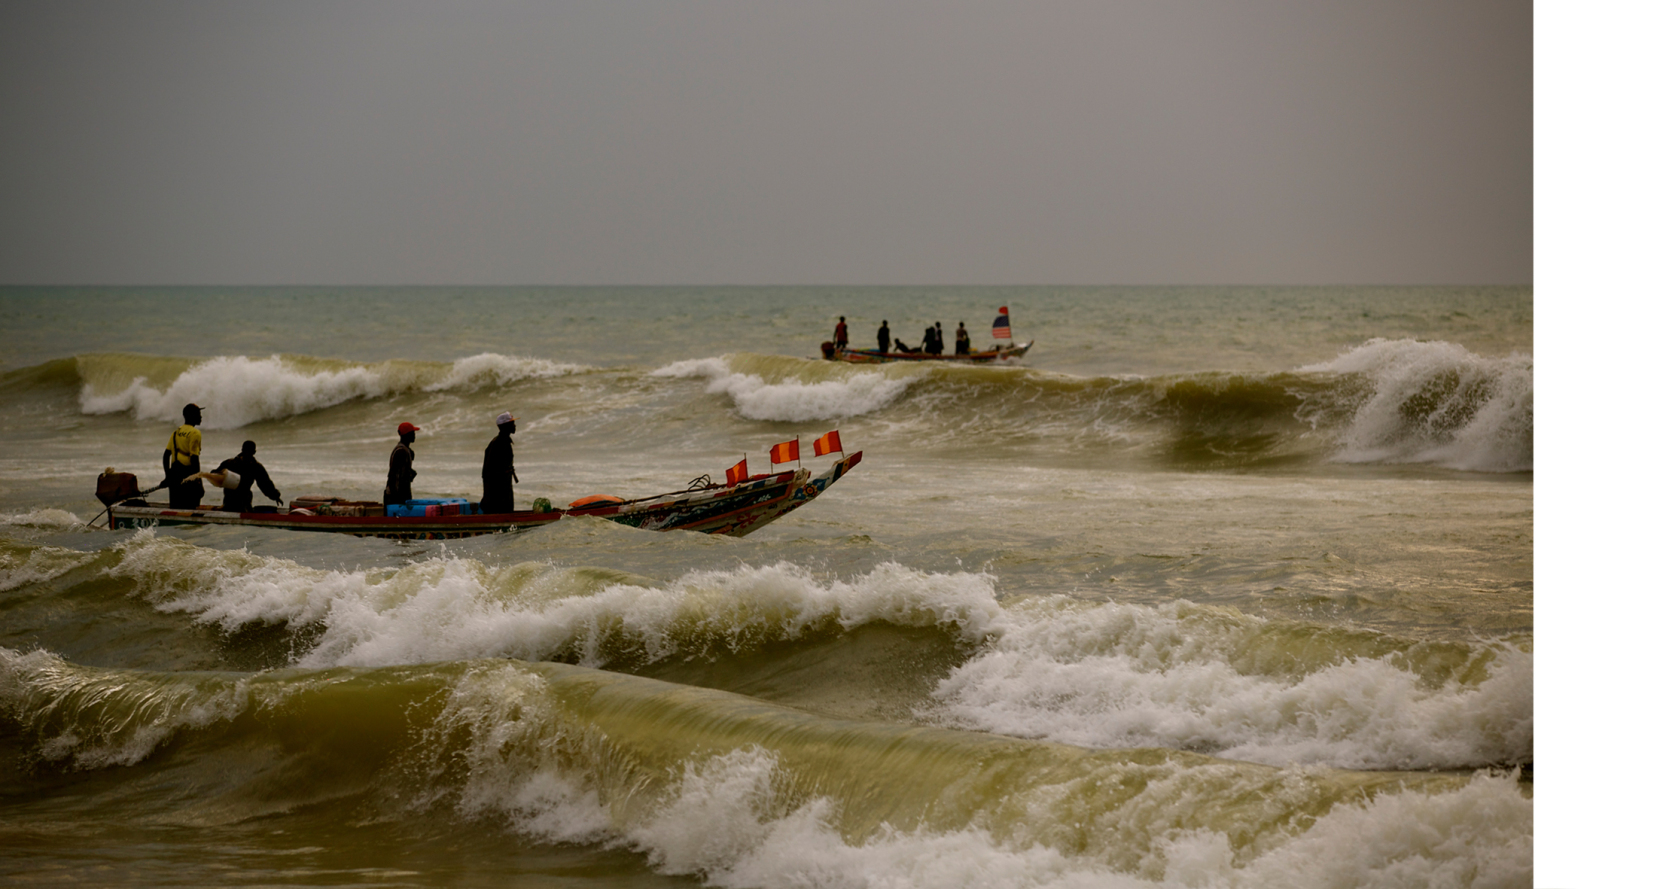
x: 962, y: 339
x: 401, y: 472
x: 182, y: 459
x: 933, y: 340
x: 240, y: 497
x: 498, y: 467
x: 882, y: 336
x: 841, y: 334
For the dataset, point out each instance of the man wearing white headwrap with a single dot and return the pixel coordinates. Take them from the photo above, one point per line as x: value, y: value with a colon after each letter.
x: 498, y: 467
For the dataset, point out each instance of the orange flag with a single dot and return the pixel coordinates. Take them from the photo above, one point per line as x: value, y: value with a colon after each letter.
x: 738, y: 473
x: 786, y: 451
x: 830, y: 441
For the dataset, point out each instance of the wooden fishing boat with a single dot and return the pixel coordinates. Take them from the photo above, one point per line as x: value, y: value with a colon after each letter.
x: 706, y: 506
x: 986, y: 356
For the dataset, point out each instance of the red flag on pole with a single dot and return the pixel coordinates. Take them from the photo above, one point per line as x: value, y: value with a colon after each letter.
x: 786, y: 452
x: 830, y: 441
x: 738, y: 473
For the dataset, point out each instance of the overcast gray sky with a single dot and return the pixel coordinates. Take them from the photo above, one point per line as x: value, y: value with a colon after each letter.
x: 717, y: 142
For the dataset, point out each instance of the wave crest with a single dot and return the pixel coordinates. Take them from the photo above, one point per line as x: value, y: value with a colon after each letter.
x: 1437, y: 403
x: 793, y: 399
x: 1181, y: 676
x: 76, y: 713
x: 1099, y: 675
x: 456, y: 609
x: 235, y: 391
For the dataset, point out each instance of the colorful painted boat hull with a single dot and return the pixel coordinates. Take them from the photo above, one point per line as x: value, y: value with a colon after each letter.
x: 991, y: 356
x: 735, y: 510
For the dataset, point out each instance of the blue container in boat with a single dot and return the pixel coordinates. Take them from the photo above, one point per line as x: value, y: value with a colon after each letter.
x: 423, y: 507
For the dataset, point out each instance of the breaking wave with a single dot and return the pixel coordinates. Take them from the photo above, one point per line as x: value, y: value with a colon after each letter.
x: 792, y: 399
x: 740, y: 793
x: 1437, y: 403
x: 1099, y: 675
x: 1388, y: 401
x: 234, y: 391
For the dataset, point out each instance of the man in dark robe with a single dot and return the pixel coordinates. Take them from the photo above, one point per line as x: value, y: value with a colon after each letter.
x: 882, y: 336
x: 241, y: 497
x: 498, y: 468
x: 400, y: 474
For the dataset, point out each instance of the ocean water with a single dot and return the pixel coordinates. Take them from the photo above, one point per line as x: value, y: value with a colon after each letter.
x: 1219, y: 587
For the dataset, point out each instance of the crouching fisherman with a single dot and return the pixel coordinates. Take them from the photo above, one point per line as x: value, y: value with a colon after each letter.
x: 240, y: 496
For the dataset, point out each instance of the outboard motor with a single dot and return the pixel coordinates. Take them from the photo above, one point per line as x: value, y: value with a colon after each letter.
x: 114, y: 487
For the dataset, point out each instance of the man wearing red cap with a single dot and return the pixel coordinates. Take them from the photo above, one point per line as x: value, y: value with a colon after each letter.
x: 402, y: 471
x: 498, y: 467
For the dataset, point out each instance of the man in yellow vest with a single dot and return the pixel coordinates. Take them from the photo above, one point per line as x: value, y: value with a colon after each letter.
x: 182, y: 459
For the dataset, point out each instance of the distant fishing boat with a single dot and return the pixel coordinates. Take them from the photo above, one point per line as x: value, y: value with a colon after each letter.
x: 987, y: 356
x: 999, y: 331
x: 735, y: 508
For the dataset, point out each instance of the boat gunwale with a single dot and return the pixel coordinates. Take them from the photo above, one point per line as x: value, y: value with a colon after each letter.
x: 786, y: 483
x: 871, y: 356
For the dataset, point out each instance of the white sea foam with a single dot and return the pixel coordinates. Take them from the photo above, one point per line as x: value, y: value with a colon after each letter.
x: 791, y: 399
x: 1097, y: 674
x: 720, y: 827
x: 237, y: 390
x: 55, y: 519
x: 1111, y: 676
x: 453, y: 609
x: 727, y: 824
x: 1439, y: 403
x: 500, y: 370
x: 728, y: 820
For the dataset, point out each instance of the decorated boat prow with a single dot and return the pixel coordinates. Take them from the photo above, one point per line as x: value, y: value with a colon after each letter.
x: 735, y: 508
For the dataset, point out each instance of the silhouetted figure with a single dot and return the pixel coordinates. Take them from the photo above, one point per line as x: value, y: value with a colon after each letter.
x: 400, y: 473
x: 882, y: 337
x: 241, y: 497
x: 498, y: 467
x: 841, y: 333
x: 962, y: 339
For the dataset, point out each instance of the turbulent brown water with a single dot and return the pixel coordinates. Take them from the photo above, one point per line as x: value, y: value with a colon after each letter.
x: 1219, y: 587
